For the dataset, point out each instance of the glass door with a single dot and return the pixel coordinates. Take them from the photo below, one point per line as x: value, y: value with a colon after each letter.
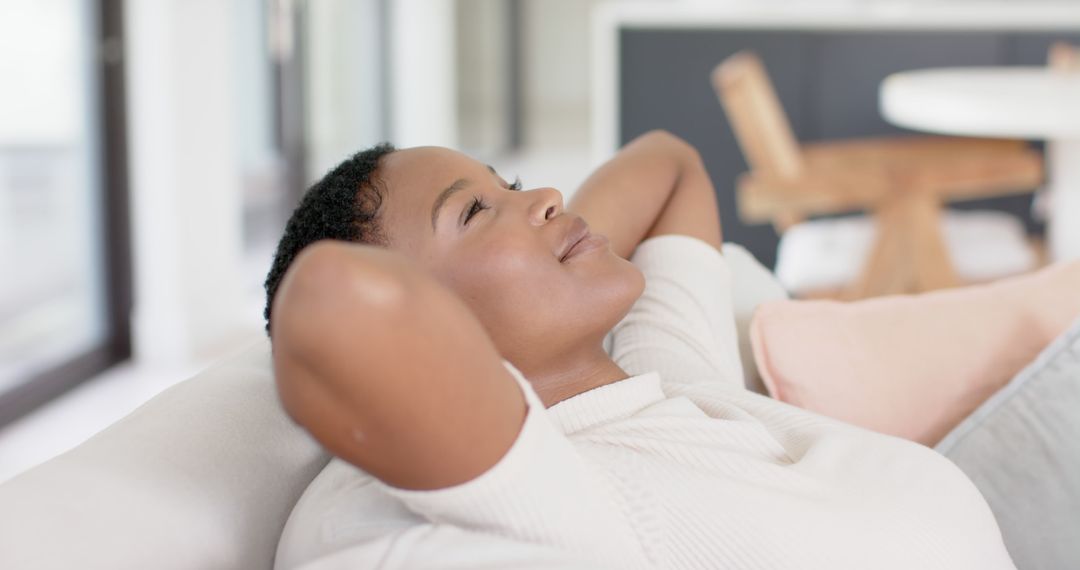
x: 63, y: 227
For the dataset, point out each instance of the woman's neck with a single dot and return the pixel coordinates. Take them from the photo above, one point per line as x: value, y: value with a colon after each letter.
x: 572, y: 376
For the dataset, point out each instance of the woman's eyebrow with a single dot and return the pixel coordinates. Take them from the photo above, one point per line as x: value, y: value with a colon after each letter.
x: 443, y: 197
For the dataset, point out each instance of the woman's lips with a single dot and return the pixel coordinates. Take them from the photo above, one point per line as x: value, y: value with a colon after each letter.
x: 590, y: 242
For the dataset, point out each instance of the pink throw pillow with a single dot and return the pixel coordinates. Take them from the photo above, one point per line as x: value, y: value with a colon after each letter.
x: 912, y: 366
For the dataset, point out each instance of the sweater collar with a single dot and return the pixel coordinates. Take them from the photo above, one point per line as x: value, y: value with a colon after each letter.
x: 607, y: 403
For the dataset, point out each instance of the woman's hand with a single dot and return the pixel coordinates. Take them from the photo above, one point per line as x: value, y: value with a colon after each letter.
x: 389, y: 370
x: 655, y: 185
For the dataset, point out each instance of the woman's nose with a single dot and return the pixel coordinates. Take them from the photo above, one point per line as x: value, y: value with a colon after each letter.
x: 546, y: 204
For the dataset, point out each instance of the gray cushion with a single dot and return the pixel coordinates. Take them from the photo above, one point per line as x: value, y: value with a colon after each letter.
x: 1021, y: 448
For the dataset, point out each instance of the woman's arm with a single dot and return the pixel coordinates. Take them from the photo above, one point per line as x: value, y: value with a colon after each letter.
x: 363, y: 360
x: 655, y: 185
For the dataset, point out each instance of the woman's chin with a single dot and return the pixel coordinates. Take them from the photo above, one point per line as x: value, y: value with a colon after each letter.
x: 620, y: 291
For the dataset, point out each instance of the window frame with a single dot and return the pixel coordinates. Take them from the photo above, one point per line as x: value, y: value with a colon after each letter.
x: 112, y: 191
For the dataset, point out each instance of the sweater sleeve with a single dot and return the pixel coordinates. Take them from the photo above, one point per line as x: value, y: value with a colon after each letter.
x: 541, y: 492
x: 683, y: 325
x: 443, y: 547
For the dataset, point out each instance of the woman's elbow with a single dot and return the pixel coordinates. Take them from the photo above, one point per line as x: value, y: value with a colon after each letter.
x: 672, y: 143
x: 332, y: 283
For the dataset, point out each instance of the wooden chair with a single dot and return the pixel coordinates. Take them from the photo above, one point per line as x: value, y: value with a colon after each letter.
x: 901, y: 181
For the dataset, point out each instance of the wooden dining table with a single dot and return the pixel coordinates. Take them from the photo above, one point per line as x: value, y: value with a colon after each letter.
x: 1035, y: 103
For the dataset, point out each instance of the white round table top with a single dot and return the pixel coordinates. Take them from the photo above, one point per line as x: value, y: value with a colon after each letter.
x: 1007, y: 102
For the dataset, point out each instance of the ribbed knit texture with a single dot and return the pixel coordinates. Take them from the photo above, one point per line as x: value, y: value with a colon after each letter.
x: 678, y: 466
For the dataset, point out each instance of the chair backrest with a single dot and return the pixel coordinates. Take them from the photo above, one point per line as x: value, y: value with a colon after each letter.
x: 756, y: 116
x: 1064, y: 57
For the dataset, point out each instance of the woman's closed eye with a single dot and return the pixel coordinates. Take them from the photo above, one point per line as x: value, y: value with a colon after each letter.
x: 475, y: 207
x: 478, y: 204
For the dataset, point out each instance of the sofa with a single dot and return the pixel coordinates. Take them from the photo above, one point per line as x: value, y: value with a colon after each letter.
x: 205, y: 474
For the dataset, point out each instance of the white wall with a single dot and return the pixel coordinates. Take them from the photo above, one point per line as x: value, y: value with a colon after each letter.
x: 557, y: 53
x: 483, y: 63
x: 557, y: 82
x: 423, y: 73
x: 343, y: 76
x: 184, y: 142
x: 344, y: 80
x: 185, y: 191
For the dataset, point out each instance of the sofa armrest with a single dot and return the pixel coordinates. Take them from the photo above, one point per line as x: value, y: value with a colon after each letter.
x: 203, y: 475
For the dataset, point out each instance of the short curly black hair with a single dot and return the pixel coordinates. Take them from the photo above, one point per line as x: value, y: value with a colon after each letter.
x: 343, y: 205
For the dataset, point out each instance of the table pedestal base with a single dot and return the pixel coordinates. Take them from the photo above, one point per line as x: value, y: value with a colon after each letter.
x: 909, y: 254
x: 1063, y: 228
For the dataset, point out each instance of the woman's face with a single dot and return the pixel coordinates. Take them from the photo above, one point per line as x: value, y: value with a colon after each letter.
x: 541, y: 285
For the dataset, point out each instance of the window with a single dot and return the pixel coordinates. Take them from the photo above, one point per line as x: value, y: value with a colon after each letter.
x: 65, y: 290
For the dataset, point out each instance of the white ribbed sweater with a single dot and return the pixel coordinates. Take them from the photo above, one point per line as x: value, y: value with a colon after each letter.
x: 675, y: 467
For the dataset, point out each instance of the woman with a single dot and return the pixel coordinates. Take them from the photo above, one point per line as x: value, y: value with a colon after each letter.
x: 453, y: 352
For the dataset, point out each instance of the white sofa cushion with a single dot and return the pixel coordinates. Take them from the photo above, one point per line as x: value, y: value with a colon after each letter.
x: 751, y: 285
x: 201, y: 476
